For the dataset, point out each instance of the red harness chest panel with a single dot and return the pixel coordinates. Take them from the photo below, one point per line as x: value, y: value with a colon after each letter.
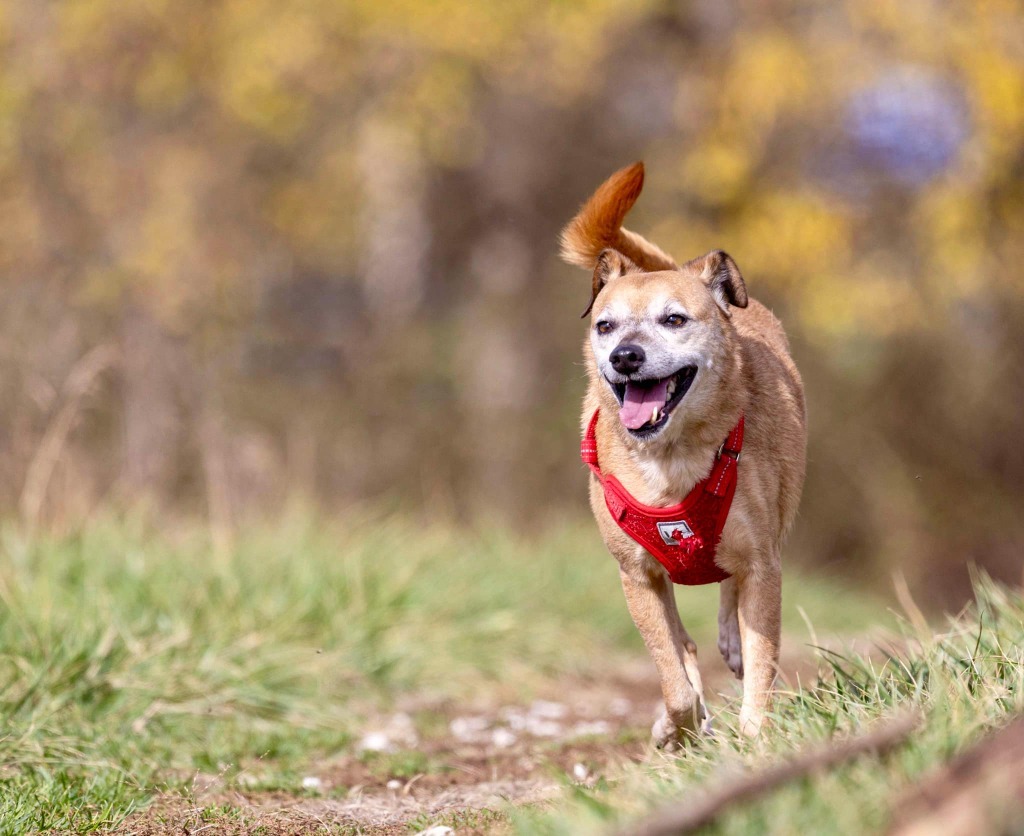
x: 684, y: 537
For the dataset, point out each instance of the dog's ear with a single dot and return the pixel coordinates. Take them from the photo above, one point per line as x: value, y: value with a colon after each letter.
x: 722, y: 277
x: 610, y: 265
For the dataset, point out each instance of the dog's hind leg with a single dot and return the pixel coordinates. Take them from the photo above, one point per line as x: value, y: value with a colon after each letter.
x: 729, y: 627
x: 652, y: 604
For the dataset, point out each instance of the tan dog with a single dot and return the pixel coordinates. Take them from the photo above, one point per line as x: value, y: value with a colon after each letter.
x: 724, y: 356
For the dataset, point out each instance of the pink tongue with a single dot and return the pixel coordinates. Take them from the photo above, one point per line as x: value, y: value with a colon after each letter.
x: 639, y: 402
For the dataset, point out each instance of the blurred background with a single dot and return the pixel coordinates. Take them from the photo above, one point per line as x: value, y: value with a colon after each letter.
x: 258, y: 253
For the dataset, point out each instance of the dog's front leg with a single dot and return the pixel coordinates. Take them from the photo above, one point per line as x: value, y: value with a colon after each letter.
x: 760, y: 618
x: 652, y: 604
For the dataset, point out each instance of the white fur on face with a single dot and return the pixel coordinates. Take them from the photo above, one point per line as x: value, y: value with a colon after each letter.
x: 668, y: 348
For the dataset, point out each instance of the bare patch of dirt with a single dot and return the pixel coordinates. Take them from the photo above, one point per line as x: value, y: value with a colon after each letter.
x: 432, y: 762
x: 443, y: 762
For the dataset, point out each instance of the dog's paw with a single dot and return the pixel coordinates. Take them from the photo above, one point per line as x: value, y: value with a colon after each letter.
x: 665, y: 734
x: 729, y: 644
x: 751, y: 722
x: 670, y: 736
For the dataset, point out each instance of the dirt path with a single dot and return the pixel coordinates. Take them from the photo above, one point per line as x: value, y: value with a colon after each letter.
x: 448, y: 764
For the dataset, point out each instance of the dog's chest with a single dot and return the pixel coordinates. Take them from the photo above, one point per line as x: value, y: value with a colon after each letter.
x: 667, y: 480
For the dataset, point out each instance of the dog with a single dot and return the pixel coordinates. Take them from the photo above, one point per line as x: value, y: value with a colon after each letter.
x: 678, y: 360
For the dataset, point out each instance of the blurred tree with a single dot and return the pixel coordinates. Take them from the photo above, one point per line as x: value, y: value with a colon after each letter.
x: 322, y: 236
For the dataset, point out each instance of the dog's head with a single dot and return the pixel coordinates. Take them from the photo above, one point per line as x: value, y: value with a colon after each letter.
x: 662, y: 341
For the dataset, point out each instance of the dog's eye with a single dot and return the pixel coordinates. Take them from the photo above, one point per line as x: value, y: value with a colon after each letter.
x: 603, y: 327
x: 675, y: 320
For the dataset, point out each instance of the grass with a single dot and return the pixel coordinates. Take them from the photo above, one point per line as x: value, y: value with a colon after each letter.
x: 967, y: 680
x: 133, y: 659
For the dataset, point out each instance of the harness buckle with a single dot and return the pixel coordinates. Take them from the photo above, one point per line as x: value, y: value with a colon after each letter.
x: 735, y: 455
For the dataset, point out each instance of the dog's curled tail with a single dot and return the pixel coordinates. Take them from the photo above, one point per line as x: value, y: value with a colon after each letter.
x: 598, y: 225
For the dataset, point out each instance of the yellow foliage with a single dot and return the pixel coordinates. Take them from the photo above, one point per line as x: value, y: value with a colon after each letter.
x: 147, y: 102
x: 86, y: 24
x: 13, y: 100
x: 717, y: 171
x: 865, y: 304
x: 786, y: 236
x: 269, y: 47
x: 770, y: 72
x: 685, y: 238
x: 953, y: 225
x: 164, y: 82
x: 471, y: 30
x: 998, y: 87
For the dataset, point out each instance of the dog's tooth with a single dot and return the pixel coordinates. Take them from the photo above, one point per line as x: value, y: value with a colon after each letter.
x: 671, y: 387
x: 654, y: 416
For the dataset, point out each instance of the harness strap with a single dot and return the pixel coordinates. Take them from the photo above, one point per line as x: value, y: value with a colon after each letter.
x: 588, y: 446
x: 732, y: 447
x: 726, y: 462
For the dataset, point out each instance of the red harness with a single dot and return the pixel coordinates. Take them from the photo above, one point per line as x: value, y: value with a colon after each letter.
x: 682, y: 537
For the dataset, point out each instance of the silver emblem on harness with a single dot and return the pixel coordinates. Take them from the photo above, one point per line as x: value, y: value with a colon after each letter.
x: 667, y: 529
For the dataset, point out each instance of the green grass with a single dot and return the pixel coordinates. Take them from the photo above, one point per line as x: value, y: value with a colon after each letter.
x: 967, y: 680
x: 131, y: 658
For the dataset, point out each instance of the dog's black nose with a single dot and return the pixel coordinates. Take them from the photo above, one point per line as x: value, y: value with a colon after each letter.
x: 627, y: 358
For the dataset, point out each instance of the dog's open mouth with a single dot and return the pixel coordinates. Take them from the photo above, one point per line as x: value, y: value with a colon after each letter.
x: 647, y: 404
